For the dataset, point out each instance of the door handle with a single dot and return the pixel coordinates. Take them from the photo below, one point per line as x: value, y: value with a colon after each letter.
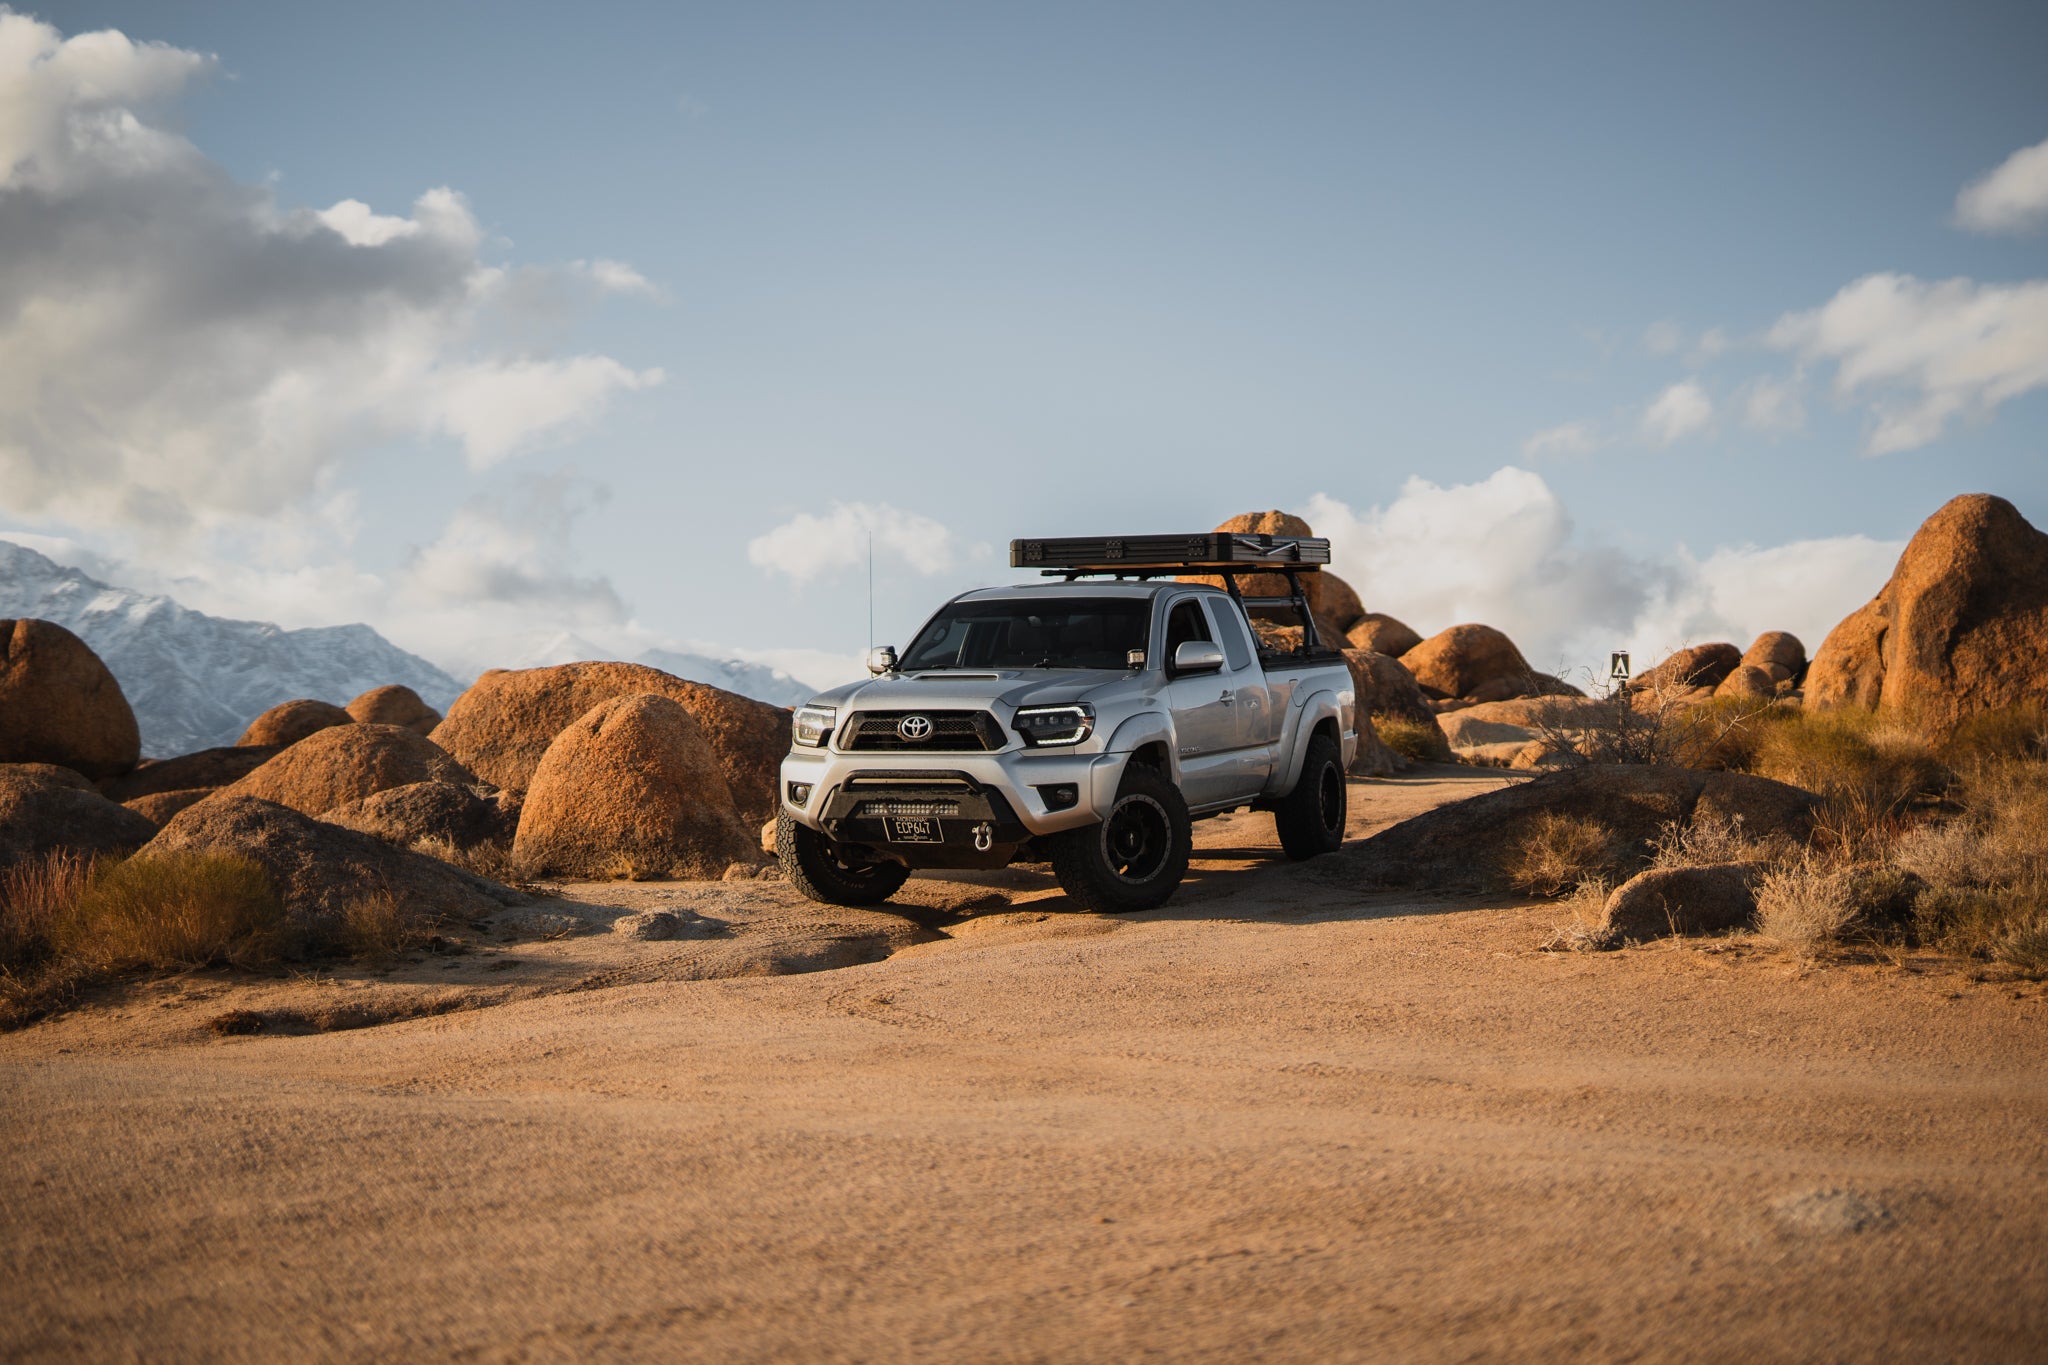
x: 1226, y: 699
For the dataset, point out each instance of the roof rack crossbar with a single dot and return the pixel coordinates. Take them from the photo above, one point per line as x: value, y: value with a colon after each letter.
x: 1216, y: 552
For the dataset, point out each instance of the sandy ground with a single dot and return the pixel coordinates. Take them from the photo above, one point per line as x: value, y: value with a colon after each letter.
x: 1279, y: 1118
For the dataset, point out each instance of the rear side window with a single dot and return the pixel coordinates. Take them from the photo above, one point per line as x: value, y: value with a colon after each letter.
x: 1230, y: 631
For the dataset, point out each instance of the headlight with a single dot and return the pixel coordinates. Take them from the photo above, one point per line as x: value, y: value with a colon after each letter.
x: 1045, y: 727
x: 814, y: 725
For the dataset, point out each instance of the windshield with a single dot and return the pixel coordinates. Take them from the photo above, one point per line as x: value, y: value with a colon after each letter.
x: 1056, y: 632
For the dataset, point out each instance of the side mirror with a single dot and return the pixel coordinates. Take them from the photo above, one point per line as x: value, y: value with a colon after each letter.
x: 882, y: 659
x: 1197, y: 656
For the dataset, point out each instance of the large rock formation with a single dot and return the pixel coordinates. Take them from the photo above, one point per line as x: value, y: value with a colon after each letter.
x: 502, y: 725
x: 344, y: 763
x: 1749, y: 682
x: 59, y: 704
x: 1466, y: 660
x: 1692, y: 667
x: 1961, y: 628
x: 1464, y: 844
x: 394, y: 704
x: 1778, y: 653
x: 1385, y: 688
x: 631, y: 786
x: 1382, y: 634
x: 44, y: 809
x: 288, y: 722
x: 426, y: 810
x: 206, y: 768
x: 321, y: 869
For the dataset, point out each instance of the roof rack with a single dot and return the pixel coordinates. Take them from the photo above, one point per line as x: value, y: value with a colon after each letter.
x: 1148, y: 556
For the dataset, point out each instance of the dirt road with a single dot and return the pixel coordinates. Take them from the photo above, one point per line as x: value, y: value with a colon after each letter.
x: 1278, y: 1119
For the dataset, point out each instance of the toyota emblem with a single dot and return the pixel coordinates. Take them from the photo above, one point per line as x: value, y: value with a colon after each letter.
x: 915, y: 728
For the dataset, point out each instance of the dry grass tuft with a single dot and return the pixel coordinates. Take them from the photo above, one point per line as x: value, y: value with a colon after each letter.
x: 1715, y: 838
x: 1556, y: 853
x: 1986, y: 871
x: 494, y: 861
x: 1805, y: 904
x: 378, y: 928
x: 35, y: 894
x: 1870, y: 767
x: 1413, y: 740
x: 172, y: 911
x: 2014, y: 733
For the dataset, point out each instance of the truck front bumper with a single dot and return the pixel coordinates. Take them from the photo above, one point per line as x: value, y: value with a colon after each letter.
x: 976, y: 803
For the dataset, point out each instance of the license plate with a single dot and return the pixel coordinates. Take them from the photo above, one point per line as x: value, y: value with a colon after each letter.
x: 911, y: 830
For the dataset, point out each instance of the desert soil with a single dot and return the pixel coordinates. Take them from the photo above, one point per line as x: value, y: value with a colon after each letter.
x: 1280, y: 1118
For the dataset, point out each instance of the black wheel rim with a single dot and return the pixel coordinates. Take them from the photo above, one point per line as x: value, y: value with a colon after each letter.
x: 1136, y: 839
x: 1330, y: 799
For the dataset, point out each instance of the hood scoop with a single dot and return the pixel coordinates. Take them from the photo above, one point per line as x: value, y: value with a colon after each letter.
x: 955, y: 677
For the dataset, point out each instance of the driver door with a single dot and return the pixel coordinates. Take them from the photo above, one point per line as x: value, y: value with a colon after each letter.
x: 1205, y: 719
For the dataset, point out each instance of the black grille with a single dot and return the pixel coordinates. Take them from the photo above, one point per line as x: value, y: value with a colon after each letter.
x: 951, y: 732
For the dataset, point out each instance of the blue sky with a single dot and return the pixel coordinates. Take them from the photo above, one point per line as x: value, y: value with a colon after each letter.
x: 961, y: 273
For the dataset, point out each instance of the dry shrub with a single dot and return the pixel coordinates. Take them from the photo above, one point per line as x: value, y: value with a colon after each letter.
x: 1986, y: 870
x: 1724, y: 733
x: 1412, y: 739
x: 1870, y: 768
x: 1713, y: 838
x: 377, y: 928
x: 494, y: 861
x: 35, y: 895
x: 1806, y: 903
x: 2014, y: 733
x: 1556, y: 852
x: 173, y: 910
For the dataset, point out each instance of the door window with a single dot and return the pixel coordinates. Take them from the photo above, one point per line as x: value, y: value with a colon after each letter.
x: 1183, y: 624
x: 1235, y: 647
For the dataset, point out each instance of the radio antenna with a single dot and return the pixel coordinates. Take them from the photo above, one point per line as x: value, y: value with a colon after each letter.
x: 871, y: 589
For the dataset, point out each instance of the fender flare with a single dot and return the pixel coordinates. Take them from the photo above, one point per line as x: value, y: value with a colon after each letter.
x: 1319, y: 706
x: 1132, y: 734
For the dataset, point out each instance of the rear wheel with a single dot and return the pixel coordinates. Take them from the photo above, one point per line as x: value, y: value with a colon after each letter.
x: 1136, y: 857
x: 1310, y: 819
x: 819, y: 870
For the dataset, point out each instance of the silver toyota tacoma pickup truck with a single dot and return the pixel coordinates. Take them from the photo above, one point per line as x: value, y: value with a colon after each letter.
x: 1085, y: 722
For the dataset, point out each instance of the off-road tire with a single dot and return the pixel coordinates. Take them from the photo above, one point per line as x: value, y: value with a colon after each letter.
x: 813, y: 868
x: 1135, y: 857
x: 1310, y: 819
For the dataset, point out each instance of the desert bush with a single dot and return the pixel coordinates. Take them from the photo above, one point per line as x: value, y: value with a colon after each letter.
x: 1555, y: 853
x: 483, y: 859
x: 173, y: 910
x: 2013, y: 733
x: 1723, y: 732
x: 36, y: 893
x: 1715, y: 838
x: 1986, y: 870
x: 1412, y: 739
x: 1870, y: 767
x: 377, y: 928
x: 1806, y: 903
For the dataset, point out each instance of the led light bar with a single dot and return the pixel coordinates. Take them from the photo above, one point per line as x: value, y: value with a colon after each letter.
x: 1211, y: 550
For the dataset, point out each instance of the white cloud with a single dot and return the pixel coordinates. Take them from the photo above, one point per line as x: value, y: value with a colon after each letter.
x: 616, y: 277
x: 1680, y: 411
x: 1570, y: 438
x: 1925, y: 352
x: 807, y: 545
x: 1503, y: 552
x: 1773, y: 405
x: 1663, y: 338
x: 177, y: 349
x: 2011, y: 198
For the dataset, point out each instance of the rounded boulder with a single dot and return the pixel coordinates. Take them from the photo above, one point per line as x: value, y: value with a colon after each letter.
x: 394, y: 704
x: 344, y: 763
x: 59, y: 703
x: 1776, y: 650
x: 46, y: 813
x: 1382, y: 634
x: 1695, y: 666
x: 1461, y: 661
x: 288, y: 722
x: 504, y: 723
x: 632, y: 788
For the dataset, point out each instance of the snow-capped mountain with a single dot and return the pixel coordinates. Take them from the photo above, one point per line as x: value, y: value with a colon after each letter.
x: 758, y: 681
x: 197, y: 680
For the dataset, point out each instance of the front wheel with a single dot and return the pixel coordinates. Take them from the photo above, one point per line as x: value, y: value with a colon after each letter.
x: 1310, y: 819
x: 1135, y: 858
x: 814, y: 864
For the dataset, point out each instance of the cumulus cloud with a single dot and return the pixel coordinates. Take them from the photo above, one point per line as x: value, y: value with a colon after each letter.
x: 176, y: 347
x: 1773, y: 405
x: 1570, y: 438
x: 1680, y: 411
x: 2011, y: 198
x: 1503, y: 551
x: 1923, y: 353
x: 809, y: 545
